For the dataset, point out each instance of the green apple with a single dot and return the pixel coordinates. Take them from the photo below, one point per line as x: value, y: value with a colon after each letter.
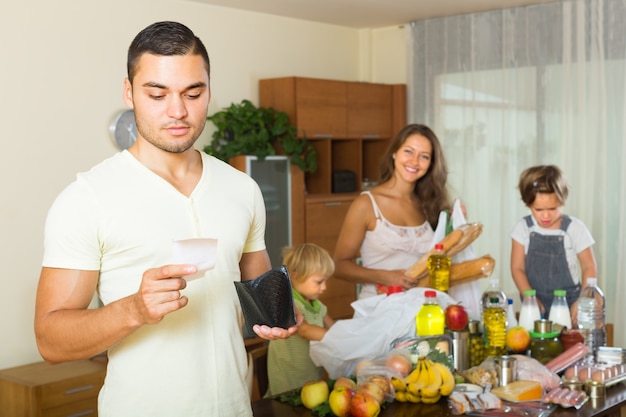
x: 340, y: 400
x: 313, y: 393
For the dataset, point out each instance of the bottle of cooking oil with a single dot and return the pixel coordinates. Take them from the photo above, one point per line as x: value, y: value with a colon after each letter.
x: 439, y: 268
x: 494, y: 323
x: 430, y: 320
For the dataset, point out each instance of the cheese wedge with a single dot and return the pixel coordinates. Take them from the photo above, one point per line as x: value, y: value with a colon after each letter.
x: 519, y: 391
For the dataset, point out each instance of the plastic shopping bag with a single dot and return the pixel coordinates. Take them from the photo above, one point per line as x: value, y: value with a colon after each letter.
x: 468, y: 293
x: 377, y: 322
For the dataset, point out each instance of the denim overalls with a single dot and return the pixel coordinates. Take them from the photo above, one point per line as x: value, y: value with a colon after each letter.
x: 546, y: 265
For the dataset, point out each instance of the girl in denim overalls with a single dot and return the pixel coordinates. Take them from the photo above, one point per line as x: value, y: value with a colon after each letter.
x: 550, y: 250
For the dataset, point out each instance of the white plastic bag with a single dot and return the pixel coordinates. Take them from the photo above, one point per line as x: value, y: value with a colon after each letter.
x: 377, y: 322
x: 468, y: 293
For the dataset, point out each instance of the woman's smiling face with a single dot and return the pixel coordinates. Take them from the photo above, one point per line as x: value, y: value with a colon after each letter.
x: 413, y: 158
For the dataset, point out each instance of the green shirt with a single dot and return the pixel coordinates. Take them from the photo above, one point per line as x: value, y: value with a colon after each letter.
x: 289, y: 365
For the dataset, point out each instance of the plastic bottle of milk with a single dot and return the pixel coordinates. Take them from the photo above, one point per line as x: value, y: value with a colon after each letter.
x: 529, y: 311
x: 559, y: 311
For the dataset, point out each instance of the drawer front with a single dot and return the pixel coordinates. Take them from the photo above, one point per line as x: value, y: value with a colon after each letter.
x: 71, y: 390
x: 84, y: 408
x: 324, y: 221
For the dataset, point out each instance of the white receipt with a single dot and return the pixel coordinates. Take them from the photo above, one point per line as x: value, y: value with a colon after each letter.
x: 198, y: 251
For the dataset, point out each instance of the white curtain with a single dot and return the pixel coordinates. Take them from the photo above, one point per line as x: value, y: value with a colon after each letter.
x: 543, y: 84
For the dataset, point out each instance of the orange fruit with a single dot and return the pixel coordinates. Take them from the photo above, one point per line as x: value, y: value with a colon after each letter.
x: 517, y: 339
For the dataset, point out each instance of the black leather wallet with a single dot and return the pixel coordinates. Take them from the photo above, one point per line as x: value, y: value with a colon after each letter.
x: 267, y: 300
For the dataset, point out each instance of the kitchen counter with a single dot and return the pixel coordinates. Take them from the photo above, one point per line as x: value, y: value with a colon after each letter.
x: 608, y: 407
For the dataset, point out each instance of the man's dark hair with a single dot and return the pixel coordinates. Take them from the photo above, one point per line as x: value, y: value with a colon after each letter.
x: 165, y: 39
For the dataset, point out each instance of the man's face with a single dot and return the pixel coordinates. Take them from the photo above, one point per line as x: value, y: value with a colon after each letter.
x: 170, y: 96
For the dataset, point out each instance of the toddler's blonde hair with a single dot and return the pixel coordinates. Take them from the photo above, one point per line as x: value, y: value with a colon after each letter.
x: 307, y: 259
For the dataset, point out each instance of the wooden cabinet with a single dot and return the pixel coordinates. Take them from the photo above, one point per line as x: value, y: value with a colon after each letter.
x: 370, y: 109
x: 350, y: 125
x: 44, y: 390
x: 324, y: 216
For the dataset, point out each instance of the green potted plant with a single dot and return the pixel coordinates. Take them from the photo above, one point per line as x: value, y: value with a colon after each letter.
x: 244, y: 129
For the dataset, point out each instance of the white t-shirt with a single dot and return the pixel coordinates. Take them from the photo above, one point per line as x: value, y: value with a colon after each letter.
x: 120, y: 218
x: 577, y: 239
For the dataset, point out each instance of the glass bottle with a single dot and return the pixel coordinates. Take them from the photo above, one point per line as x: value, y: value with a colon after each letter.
x: 494, y: 322
x: 511, y: 320
x: 439, y: 269
x: 477, y: 341
x: 430, y: 320
x: 592, y: 315
x: 559, y: 310
x: 529, y: 313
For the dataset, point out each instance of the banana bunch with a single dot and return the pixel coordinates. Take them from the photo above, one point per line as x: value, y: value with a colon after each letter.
x: 426, y: 383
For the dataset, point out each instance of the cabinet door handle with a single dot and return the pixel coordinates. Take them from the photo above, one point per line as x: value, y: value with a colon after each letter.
x: 79, y: 389
x: 372, y: 136
x: 323, y: 135
x: 332, y: 203
x: 82, y: 413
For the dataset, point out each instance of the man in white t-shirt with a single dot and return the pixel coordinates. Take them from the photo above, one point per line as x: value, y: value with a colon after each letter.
x: 175, y: 347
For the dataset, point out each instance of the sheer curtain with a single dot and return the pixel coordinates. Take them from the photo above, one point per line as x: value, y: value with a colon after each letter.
x: 543, y: 84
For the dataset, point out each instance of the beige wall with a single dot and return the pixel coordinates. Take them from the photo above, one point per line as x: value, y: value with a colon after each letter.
x: 62, y: 68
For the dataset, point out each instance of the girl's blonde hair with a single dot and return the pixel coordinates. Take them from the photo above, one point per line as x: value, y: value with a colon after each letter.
x: 307, y: 259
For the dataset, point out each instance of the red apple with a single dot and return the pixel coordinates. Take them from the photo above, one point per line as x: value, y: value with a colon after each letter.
x: 340, y: 400
x: 313, y: 393
x: 456, y: 317
x: 364, y: 405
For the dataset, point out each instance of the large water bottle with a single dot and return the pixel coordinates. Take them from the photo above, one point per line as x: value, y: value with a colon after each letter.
x: 592, y: 315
